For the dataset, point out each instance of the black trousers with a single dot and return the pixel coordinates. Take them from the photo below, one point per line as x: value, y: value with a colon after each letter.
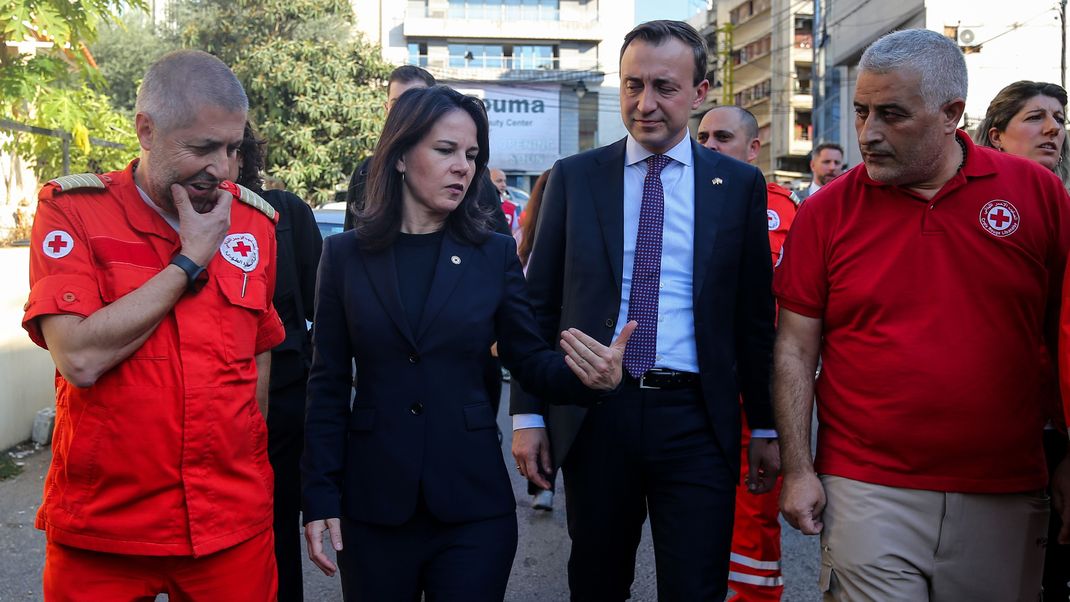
x: 286, y: 439
x: 1056, y: 557
x: 649, y: 451
x: 445, y: 562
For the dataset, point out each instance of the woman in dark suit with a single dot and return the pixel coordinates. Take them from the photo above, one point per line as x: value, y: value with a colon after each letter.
x: 409, y: 481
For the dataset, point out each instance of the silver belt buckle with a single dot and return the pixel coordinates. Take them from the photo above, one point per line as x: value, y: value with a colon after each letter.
x: 643, y: 385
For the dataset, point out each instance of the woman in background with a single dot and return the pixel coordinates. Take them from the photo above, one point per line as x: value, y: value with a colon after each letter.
x: 542, y: 496
x: 1028, y: 119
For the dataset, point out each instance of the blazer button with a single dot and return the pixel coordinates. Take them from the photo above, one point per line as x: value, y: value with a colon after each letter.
x: 413, y: 358
x: 609, y: 323
x: 416, y: 408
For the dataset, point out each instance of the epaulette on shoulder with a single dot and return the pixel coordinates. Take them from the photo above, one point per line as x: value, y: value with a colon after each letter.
x: 256, y: 202
x: 79, y: 181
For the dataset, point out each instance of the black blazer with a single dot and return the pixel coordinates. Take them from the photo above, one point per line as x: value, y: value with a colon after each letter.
x: 574, y: 280
x: 299, y: 247
x: 421, y: 423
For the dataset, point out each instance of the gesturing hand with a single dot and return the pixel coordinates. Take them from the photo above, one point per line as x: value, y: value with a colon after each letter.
x: 597, y: 366
x: 201, y: 233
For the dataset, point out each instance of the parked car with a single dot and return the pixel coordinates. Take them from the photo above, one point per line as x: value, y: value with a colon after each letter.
x: 330, y: 221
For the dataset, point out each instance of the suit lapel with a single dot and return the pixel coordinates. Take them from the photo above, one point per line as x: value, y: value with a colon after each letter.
x: 383, y: 273
x: 709, y: 202
x: 453, y: 260
x: 606, y: 179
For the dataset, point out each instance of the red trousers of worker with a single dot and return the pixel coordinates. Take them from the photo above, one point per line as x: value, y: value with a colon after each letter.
x: 754, y: 572
x: 243, y: 572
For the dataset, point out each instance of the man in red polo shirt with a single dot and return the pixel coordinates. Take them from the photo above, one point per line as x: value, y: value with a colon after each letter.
x: 926, y: 280
x: 754, y: 573
x: 152, y: 290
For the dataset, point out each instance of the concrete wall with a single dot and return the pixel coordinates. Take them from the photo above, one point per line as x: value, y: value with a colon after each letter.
x: 26, y: 371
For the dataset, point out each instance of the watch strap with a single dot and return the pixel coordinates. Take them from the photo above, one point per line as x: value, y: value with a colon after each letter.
x: 192, y: 270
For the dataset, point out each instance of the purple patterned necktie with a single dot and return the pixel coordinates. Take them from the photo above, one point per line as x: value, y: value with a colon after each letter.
x: 646, y: 272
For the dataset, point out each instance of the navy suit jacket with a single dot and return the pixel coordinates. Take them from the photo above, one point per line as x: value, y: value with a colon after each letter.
x: 574, y: 280
x: 421, y: 422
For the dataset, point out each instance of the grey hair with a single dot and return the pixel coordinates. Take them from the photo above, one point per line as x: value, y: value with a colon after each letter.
x: 183, y: 80
x: 935, y: 57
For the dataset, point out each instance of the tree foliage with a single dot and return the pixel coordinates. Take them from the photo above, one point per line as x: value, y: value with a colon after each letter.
x: 124, y: 52
x: 47, y: 88
x: 315, y: 90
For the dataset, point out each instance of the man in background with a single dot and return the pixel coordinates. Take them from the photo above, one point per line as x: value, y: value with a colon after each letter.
x: 826, y: 164
x: 755, y: 570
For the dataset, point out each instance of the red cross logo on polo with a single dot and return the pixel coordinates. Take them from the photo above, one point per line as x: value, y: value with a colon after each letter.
x: 774, y: 219
x: 58, y: 244
x: 241, y: 250
x: 999, y: 218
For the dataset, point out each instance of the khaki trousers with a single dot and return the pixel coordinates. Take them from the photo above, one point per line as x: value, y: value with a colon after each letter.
x: 891, y: 544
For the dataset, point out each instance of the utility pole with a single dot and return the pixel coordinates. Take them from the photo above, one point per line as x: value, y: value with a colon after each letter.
x: 729, y: 67
x: 1062, y: 55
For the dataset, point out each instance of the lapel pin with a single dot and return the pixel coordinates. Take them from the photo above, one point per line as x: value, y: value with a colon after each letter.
x: 456, y: 260
x: 717, y: 181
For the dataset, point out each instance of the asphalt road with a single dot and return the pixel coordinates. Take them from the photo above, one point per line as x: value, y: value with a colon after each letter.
x: 538, y: 575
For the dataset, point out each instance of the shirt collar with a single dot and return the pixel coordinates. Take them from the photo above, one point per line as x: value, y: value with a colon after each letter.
x: 635, y: 152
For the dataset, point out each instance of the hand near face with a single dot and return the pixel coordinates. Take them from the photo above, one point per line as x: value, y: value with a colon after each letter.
x: 597, y: 366
x: 201, y: 233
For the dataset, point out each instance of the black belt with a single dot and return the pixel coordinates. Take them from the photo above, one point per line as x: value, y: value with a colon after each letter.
x: 660, y: 378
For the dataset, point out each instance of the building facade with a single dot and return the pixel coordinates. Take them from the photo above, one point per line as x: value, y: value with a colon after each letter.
x: 1002, y: 43
x: 546, y: 69
x: 761, y: 58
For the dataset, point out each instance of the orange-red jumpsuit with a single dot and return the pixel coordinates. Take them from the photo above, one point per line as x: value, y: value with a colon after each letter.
x: 165, y: 455
x: 754, y: 572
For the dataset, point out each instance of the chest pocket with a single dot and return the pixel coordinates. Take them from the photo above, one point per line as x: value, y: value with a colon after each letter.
x: 120, y: 279
x: 245, y: 301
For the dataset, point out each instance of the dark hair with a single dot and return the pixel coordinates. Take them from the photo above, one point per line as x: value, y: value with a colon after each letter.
x: 824, y: 146
x: 251, y: 152
x: 1009, y: 102
x: 657, y: 33
x: 410, y: 73
x: 531, y: 218
x: 408, y: 122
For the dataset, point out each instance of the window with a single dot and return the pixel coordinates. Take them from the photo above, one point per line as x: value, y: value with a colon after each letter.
x: 804, y: 129
x: 495, y: 56
x: 532, y: 57
x: 418, y: 54
x: 505, y: 10
x: 804, y: 31
x: 755, y: 93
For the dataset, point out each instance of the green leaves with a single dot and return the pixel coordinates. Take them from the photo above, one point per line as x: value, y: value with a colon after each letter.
x: 315, y: 93
x: 43, y: 82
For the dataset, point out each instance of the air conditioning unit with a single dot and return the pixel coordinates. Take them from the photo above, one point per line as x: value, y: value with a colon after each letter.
x: 969, y: 36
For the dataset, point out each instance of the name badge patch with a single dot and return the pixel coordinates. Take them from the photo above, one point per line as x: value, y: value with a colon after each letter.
x: 241, y: 250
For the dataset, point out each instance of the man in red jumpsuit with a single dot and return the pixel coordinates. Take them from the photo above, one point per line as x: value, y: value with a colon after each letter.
x: 151, y: 287
x: 755, y: 560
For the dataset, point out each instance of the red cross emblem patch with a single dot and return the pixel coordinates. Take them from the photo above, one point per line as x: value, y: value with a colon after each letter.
x: 57, y: 244
x: 774, y: 219
x: 241, y: 250
x: 999, y: 218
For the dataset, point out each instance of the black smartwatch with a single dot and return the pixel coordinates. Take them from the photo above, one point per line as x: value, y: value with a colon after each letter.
x: 192, y: 270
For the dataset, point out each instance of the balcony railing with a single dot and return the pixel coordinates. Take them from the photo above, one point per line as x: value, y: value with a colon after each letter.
x: 508, y: 68
x: 499, y: 13
x: 804, y: 40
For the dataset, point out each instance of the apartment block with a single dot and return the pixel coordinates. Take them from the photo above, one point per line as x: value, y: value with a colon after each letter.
x: 546, y: 69
x: 761, y: 58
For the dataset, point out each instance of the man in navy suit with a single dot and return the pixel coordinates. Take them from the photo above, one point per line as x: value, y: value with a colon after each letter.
x: 657, y: 229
